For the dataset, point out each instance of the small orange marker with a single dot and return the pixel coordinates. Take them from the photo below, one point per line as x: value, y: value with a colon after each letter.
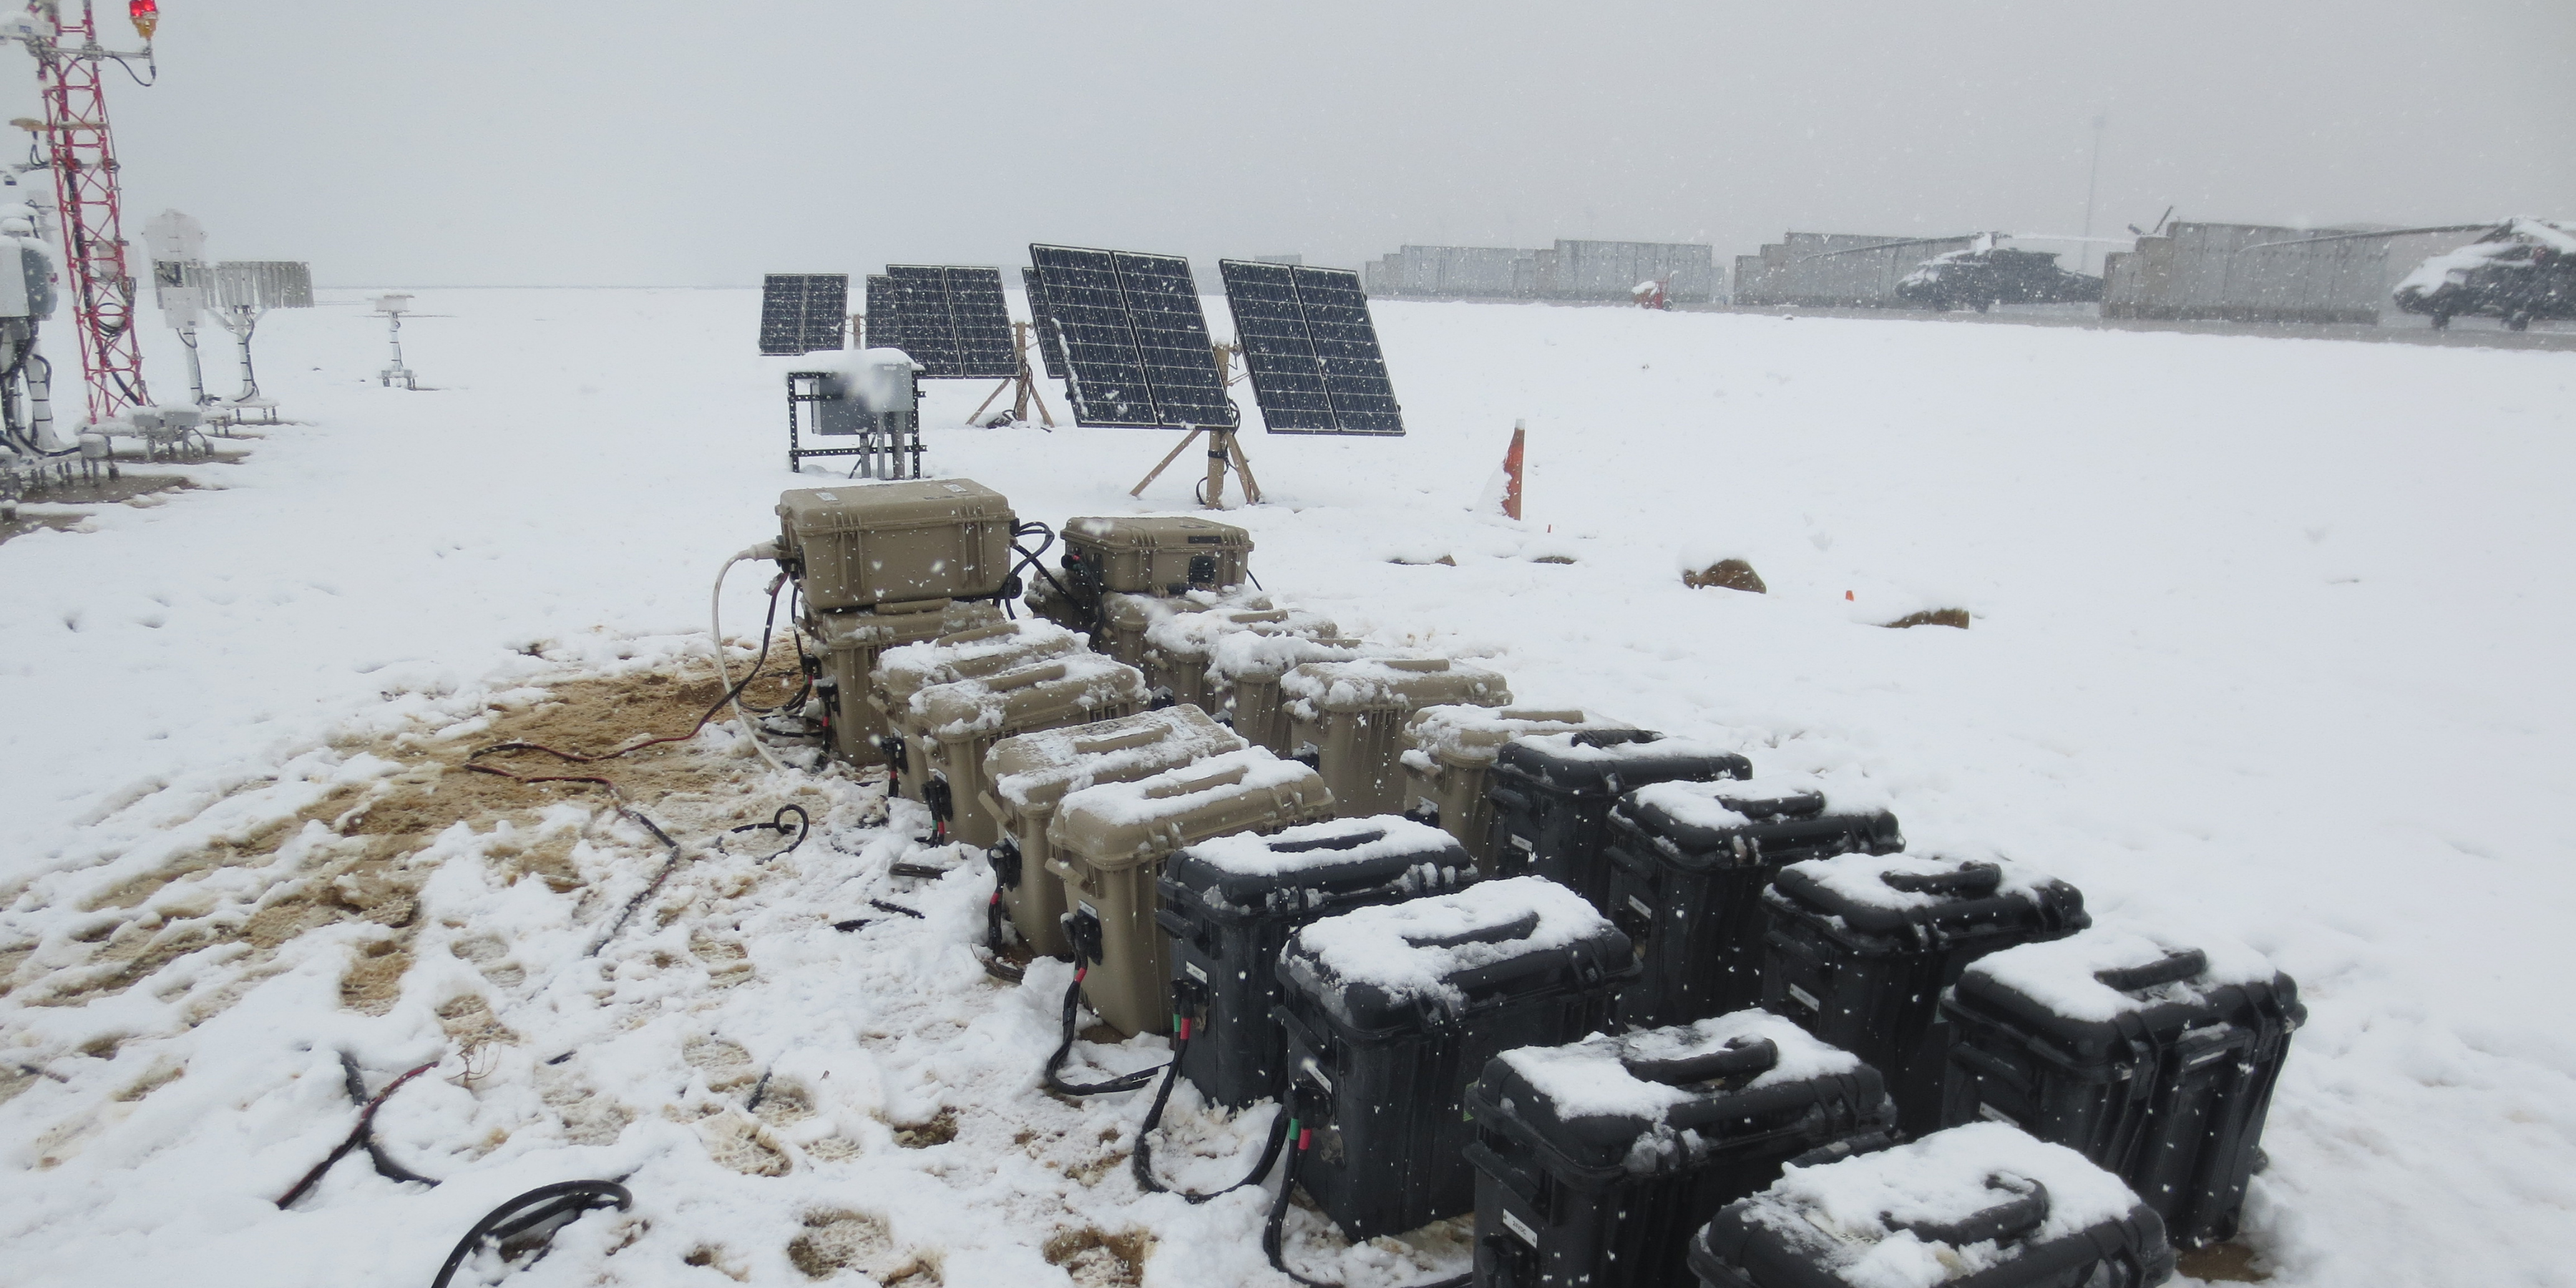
x: 1847, y: 594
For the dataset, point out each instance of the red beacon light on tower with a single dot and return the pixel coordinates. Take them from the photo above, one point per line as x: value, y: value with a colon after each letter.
x: 146, y: 15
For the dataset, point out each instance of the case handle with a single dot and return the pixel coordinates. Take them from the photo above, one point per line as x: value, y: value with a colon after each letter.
x: 1025, y: 677
x: 1969, y: 879
x: 2175, y: 966
x: 1423, y: 664
x: 1615, y: 737
x: 1349, y: 841
x: 1122, y: 740
x: 2001, y: 1223
x: 1517, y: 928
x: 1741, y: 1057
x: 1536, y: 716
x: 979, y: 633
x: 1185, y: 786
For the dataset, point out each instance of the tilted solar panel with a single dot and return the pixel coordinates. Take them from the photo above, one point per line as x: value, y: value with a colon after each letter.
x: 1287, y: 378
x: 1050, y: 345
x: 1136, y: 344
x: 920, y: 294
x: 1172, y: 340
x: 1337, y: 317
x: 884, y: 324
x: 1313, y: 351
x: 801, y: 312
x: 983, y: 323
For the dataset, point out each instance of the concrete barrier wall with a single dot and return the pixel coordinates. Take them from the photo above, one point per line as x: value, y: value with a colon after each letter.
x: 2213, y: 272
x: 1569, y: 270
x: 1788, y: 273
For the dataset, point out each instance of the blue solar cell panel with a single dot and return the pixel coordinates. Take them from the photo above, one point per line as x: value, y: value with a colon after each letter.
x: 801, y: 312
x: 1313, y: 350
x: 1050, y: 344
x: 1136, y: 344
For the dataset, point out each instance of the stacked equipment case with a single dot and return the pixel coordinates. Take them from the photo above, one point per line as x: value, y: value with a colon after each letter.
x: 1688, y: 865
x: 1552, y: 795
x: 1980, y: 1206
x: 1861, y: 947
x: 1109, y: 842
x: 1392, y: 1011
x: 1178, y: 649
x: 850, y: 643
x: 1448, y: 755
x: 1597, y: 1160
x: 971, y: 654
x: 1245, y: 668
x: 961, y: 720
x: 1027, y: 776
x: 2154, y: 1059
x: 1229, y: 905
x: 1345, y: 718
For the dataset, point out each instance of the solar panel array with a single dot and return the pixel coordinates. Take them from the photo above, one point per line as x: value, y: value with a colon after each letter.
x: 1136, y: 344
x: 801, y: 312
x: 950, y: 319
x: 1312, y: 349
x: 1050, y: 345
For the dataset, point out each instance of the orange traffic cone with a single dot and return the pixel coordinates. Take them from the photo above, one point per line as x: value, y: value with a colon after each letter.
x: 1512, y: 472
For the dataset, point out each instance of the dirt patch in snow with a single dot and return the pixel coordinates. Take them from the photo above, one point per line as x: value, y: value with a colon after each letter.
x: 1097, y: 1260
x: 835, y: 1241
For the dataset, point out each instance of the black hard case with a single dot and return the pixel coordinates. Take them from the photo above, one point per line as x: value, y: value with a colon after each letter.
x: 1869, y: 978
x: 1228, y: 930
x: 1558, y: 1204
x: 1392, y: 1125
x: 2171, y: 1096
x: 2129, y: 1252
x: 1552, y: 810
x: 1690, y: 897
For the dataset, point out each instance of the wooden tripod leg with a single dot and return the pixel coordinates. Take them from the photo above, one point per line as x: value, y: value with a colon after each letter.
x: 1242, y: 466
x: 978, y: 417
x: 1218, y: 454
x: 1139, y: 489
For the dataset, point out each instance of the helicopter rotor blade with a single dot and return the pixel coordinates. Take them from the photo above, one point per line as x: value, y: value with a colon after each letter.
x: 2393, y: 232
x: 1890, y: 245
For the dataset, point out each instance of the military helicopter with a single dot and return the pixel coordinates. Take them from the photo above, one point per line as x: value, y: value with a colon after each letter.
x: 1986, y: 273
x: 2521, y: 269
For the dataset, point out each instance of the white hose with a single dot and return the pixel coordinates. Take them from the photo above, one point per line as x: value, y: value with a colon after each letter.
x: 715, y: 633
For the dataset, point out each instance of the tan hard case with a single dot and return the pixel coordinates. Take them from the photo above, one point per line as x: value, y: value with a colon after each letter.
x: 1348, y: 717
x: 961, y: 720
x: 1160, y: 555
x: 1178, y: 648
x: 1110, y: 842
x: 1027, y: 776
x: 851, y: 642
x: 989, y: 649
x: 858, y: 545
x: 1447, y: 752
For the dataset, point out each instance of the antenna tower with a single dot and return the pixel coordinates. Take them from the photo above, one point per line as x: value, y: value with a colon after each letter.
x: 70, y: 66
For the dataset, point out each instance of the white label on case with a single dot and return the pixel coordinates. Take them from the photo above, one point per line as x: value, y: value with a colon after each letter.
x: 953, y: 487
x: 1524, y: 843
x: 1520, y: 1227
x: 1195, y: 972
x: 1804, y: 998
x: 1992, y: 1114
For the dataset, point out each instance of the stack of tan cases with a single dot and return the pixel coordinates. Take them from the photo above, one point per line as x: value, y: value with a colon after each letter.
x: 1347, y: 717
x: 1026, y: 777
x: 1244, y: 669
x: 851, y: 642
x: 1178, y: 648
x: 1447, y: 751
x: 1109, y: 845
x: 885, y: 564
x: 989, y: 649
x: 961, y: 720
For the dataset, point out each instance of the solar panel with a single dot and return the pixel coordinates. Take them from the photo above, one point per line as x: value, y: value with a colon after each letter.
x: 952, y: 320
x: 1136, y: 344
x: 1050, y: 345
x: 884, y: 323
x: 1306, y: 335
x: 801, y: 312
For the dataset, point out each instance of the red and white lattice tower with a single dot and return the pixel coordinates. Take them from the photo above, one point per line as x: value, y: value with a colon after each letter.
x: 70, y: 63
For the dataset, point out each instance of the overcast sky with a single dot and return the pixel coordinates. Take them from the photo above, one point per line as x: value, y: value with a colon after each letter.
x: 571, y: 142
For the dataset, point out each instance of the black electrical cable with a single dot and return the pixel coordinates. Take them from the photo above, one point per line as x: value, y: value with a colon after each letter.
x: 1272, y: 1239
x: 362, y: 1136
x: 778, y: 823
x: 538, y: 1213
x: 1141, y: 1162
x: 1055, y: 1063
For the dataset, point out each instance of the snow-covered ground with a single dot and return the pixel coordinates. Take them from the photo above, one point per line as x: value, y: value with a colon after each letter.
x: 2268, y: 643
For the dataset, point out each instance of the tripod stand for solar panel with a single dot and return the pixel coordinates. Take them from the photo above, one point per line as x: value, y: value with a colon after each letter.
x: 1225, y: 447
x: 1025, y: 382
x: 884, y: 438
